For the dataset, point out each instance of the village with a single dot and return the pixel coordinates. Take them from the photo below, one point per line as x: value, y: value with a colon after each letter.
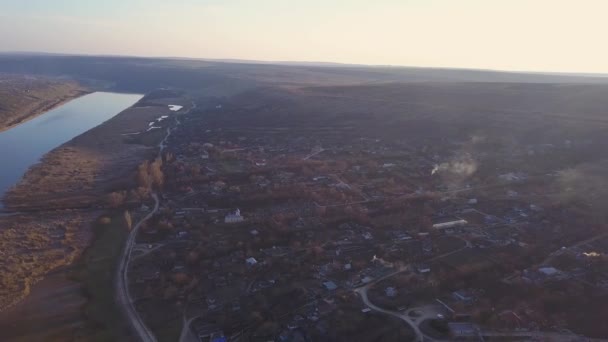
x: 266, y: 234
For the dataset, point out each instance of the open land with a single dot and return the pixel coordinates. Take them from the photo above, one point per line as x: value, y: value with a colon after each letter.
x: 322, y: 203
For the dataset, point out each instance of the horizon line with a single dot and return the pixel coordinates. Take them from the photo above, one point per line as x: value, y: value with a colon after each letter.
x: 302, y: 63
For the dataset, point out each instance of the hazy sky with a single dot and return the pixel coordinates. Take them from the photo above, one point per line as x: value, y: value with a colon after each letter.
x: 541, y: 35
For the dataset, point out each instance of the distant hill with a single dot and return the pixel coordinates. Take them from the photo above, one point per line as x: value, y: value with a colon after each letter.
x: 144, y: 74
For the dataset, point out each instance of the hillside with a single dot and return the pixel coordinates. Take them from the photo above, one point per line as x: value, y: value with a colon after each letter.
x: 23, y: 97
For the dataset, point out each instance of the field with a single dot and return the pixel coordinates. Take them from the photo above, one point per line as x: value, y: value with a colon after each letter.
x: 76, y: 301
x: 35, y: 243
x: 96, y: 271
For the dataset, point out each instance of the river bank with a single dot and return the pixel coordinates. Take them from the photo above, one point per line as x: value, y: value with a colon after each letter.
x: 80, y: 172
x: 87, y: 133
x: 42, y: 108
x: 24, y: 145
x: 23, y: 98
x: 46, y: 233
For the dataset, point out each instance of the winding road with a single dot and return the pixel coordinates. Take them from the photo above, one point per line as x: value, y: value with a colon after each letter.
x: 186, y: 335
x: 362, y: 291
x: 122, y: 284
x: 123, y: 294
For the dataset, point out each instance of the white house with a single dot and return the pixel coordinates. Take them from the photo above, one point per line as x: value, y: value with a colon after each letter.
x: 390, y: 291
x: 450, y: 224
x: 548, y: 271
x: 423, y: 268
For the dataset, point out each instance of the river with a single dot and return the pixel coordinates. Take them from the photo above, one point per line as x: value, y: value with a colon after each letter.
x: 24, y: 145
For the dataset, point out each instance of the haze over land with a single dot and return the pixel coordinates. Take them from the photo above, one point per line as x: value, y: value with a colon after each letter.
x: 343, y: 170
x: 359, y: 188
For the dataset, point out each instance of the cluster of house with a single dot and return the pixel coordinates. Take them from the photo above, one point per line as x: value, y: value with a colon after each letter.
x: 344, y: 253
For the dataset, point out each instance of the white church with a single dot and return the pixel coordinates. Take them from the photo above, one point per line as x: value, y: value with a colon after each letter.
x: 234, y: 217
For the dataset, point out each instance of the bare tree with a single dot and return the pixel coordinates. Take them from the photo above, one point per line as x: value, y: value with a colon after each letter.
x: 128, y: 219
x: 143, y: 176
x: 116, y: 199
x: 156, y: 172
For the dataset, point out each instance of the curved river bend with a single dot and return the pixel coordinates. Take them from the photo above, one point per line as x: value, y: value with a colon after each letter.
x: 22, y: 146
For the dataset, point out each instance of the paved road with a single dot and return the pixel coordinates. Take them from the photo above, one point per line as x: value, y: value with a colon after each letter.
x: 122, y: 285
x: 313, y: 154
x: 537, y: 336
x: 362, y: 291
x: 146, y: 251
x: 186, y: 335
x: 547, y: 261
x: 552, y: 256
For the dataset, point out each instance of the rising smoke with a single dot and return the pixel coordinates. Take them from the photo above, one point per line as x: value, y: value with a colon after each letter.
x: 463, y: 166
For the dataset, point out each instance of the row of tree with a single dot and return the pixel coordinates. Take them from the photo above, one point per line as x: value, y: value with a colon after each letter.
x: 149, y: 175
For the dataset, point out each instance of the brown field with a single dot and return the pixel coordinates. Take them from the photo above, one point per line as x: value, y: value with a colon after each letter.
x: 32, y: 244
x: 52, y: 312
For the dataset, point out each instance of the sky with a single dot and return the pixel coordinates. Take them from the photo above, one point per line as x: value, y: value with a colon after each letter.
x: 524, y: 35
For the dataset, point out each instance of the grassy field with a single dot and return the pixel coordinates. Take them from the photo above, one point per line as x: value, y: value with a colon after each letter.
x: 96, y: 270
x: 170, y: 331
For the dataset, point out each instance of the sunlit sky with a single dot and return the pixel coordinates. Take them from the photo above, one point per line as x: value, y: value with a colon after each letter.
x: 533, y: 35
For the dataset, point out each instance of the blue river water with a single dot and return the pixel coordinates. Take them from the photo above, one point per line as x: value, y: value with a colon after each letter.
x: 25, y: 144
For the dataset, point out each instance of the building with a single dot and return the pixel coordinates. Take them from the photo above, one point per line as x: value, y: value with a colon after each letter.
x: 206, y: 331
x: 548, y: 271
x: 234, y: 217
x: 218, y: 338
x: 390, y: 291
x: 423, y: 268
x: 458, y: 329
x: 450, y: 224
x: 251, y: 261
x: 330, y: 285
x: 463, y: 296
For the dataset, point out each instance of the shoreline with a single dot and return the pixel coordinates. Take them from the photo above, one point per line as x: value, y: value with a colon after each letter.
x: 77, y: 174
x: 39, y: 201
x: 43, y: 108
